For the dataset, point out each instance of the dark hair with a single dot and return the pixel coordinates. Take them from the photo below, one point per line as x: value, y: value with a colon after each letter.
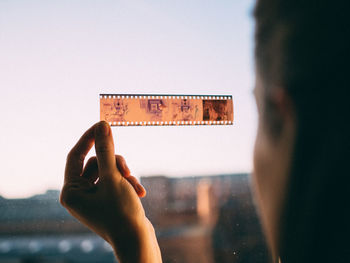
x: 303, y: 47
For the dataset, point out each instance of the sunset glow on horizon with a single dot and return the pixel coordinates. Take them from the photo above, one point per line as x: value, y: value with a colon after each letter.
x: 56, y: 57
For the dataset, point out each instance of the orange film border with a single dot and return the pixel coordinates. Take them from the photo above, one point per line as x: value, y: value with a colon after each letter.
x: 165, y: 110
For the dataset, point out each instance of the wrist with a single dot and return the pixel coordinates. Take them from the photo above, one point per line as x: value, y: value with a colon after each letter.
x: 137, y: 243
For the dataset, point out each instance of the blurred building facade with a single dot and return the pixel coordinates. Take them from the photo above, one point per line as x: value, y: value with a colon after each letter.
x: 197, y: 219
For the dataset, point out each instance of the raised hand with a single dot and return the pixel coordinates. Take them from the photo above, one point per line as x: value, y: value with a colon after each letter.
x: 105, y: 197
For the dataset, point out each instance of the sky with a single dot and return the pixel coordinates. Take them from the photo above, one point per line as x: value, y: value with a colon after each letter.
x: 56, y: 57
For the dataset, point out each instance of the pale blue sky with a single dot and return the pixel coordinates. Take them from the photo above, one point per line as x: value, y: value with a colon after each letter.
x: 57, y: 56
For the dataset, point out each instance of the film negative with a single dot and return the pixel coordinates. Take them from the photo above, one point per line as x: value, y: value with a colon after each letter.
x: 165, y: 110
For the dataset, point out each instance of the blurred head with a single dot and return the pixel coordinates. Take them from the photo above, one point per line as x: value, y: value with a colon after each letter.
x: 301, y: 176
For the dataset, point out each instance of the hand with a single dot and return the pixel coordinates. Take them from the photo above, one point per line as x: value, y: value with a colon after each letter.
x: 105, y: 197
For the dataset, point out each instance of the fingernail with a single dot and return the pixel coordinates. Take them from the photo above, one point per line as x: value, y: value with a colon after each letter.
x: 102, y: 129
x: 140, y: 188
x: 141, y: 191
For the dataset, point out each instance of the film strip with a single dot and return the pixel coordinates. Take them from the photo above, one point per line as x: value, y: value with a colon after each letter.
x: 166, y: 110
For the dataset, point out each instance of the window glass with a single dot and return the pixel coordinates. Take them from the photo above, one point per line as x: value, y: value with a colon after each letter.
x: 56, y: 57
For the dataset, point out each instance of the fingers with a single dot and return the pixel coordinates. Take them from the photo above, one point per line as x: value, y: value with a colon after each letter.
x: 125, y: 171
x: 90, y: 171
x: 140, y: 190
x: 75, y: 158
x: 104, y: 164
x: 122, y: 167
x: 104, y: 147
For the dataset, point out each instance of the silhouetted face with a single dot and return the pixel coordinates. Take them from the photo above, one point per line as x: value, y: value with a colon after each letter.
x: 272, y: 160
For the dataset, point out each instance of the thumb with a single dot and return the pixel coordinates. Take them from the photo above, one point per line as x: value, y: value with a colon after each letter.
x: 104, y: 148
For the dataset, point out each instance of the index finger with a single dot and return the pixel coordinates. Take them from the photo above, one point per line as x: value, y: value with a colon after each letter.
x: 75, y: 158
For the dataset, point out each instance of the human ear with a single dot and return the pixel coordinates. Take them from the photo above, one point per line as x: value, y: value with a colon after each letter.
x: 279, y: 111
